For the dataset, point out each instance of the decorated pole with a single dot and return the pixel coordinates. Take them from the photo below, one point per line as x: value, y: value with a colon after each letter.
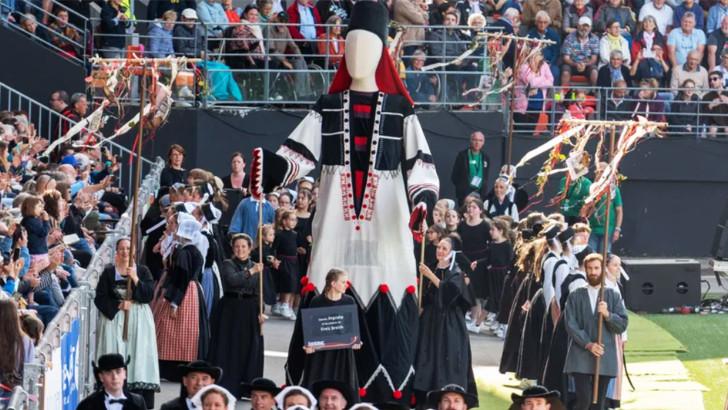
x: 605, y: 244
x: 261, y: 306
x: 135, y: 201
x: 423, y: 231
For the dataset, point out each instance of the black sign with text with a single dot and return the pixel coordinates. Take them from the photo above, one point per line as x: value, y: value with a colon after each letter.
x: 330, y: 327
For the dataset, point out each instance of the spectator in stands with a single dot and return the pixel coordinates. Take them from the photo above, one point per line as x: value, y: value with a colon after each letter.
x: 265, y: 8
x: 79, y: 107
x: 715, y: 105
x: 611, y: 41
x: 411, y: 12
x: 508, y: 24
x: 693, y: 7
x: 59, y: 104
x: 691, y: 70
x: 286, y: 52
x: 573, y: 12
x: 232, y: 12
x: 648, y: 105
x: 446, y: 44
x: 305, y: 20
x: 715, y: 15
x: 188, y: 36
x: 532, y: 86
x: 580, y: 51
x: 436, y: 11
x: 212, y: 16
x: 63, y: 35
x: 551, y: 7
x: 161, y: 43
x: 716, y: 42
x: 421, y: 85
x: 331, y: 43
x: 615, y: 10
x: 646, y: 37
x: 650, y: 67
x: 613, y: 71
x: 156, y: 9
x: 247, y: 39
x: 328, y: 8
x: 466, y: 8
x: 684, y: 109
x: 684, y: 40
x: 17, y: 348
x: 543, y: 31
x: 114, y: 23
x: 662, y: 13
x: 617, y: 106
x: 723, y: 67
x: 29, y: 23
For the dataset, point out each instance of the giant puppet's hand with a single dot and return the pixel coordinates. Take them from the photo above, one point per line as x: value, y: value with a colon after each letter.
x: 267, y: 171
x: 417, y: 221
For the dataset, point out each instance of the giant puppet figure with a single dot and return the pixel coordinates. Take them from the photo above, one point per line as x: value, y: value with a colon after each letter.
x: 375, y: 166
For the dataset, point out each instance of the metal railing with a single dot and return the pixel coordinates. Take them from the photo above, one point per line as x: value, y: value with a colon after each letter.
x: 79, y: 306
x: 47, y: 124
x: 694, y: 117
x: 74, y: 50
x: 281, y: 74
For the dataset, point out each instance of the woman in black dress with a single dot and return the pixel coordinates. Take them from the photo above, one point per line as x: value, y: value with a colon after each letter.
x: 237, y: 179
x: 173, y: 173
x: 237, y: 343
x: 303, y: 229
x: 340, y: 364
x: 474, y: 232
x: 443, y: 352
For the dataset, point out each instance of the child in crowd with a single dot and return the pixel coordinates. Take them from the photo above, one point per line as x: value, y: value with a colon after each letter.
x: 286, y: 246
x: 452, y: 220
x: 36, y: 223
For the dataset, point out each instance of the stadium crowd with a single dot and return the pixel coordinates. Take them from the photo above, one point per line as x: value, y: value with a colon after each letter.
x: 608, y: 60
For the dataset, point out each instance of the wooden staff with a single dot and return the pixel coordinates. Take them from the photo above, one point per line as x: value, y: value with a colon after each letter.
x: 605, y: 244
x: 261, y: 306
x: 422, y: 261
x: 135, y: 201
x: 511, y: 98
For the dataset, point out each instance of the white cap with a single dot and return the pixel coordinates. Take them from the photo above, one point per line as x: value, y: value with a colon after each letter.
x: 280, y: 397
x: 189, y: 14
x: 197, y: 399
x: 189, y: 229
x: 585, y: 20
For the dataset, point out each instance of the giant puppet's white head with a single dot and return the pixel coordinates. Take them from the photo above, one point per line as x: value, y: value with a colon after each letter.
x: 362, y: 54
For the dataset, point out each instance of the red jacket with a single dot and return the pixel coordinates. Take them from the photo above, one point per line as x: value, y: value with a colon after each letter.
x: 295, y: 18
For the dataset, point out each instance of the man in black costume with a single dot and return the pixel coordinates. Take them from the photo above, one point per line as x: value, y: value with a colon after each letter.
x: 451, y: 397
x: 111, y: 373
x: 195, y: 376
x: 333, y: 395
x: 261, y: 392
x: 537, y: 398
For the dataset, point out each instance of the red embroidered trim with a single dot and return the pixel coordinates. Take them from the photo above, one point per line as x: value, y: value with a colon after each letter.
x: 347, y: 196
x: 370, y: 196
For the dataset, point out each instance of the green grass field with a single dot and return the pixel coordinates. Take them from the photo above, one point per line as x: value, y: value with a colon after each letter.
x: 706, y: 341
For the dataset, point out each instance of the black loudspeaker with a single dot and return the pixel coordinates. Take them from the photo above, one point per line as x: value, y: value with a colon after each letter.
x: 719, y: 249
x: 657, y: 284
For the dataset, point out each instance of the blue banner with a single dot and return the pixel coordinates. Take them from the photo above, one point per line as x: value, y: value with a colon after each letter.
x: 69, y: 361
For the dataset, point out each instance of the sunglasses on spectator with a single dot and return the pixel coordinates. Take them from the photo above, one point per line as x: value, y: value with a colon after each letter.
x: 715, y: 78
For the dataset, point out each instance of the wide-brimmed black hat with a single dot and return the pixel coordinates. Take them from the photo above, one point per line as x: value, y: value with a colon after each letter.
x: 259, y: 384
x: 109, y: 361
x: 343, y: 388
x: 372, y: 16
x: 566, y: 234
x: 200, y: 366
x: 434, y: 396
x: 552, y: 396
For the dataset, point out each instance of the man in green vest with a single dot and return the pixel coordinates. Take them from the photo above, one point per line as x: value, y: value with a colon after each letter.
x: 470, y: 171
